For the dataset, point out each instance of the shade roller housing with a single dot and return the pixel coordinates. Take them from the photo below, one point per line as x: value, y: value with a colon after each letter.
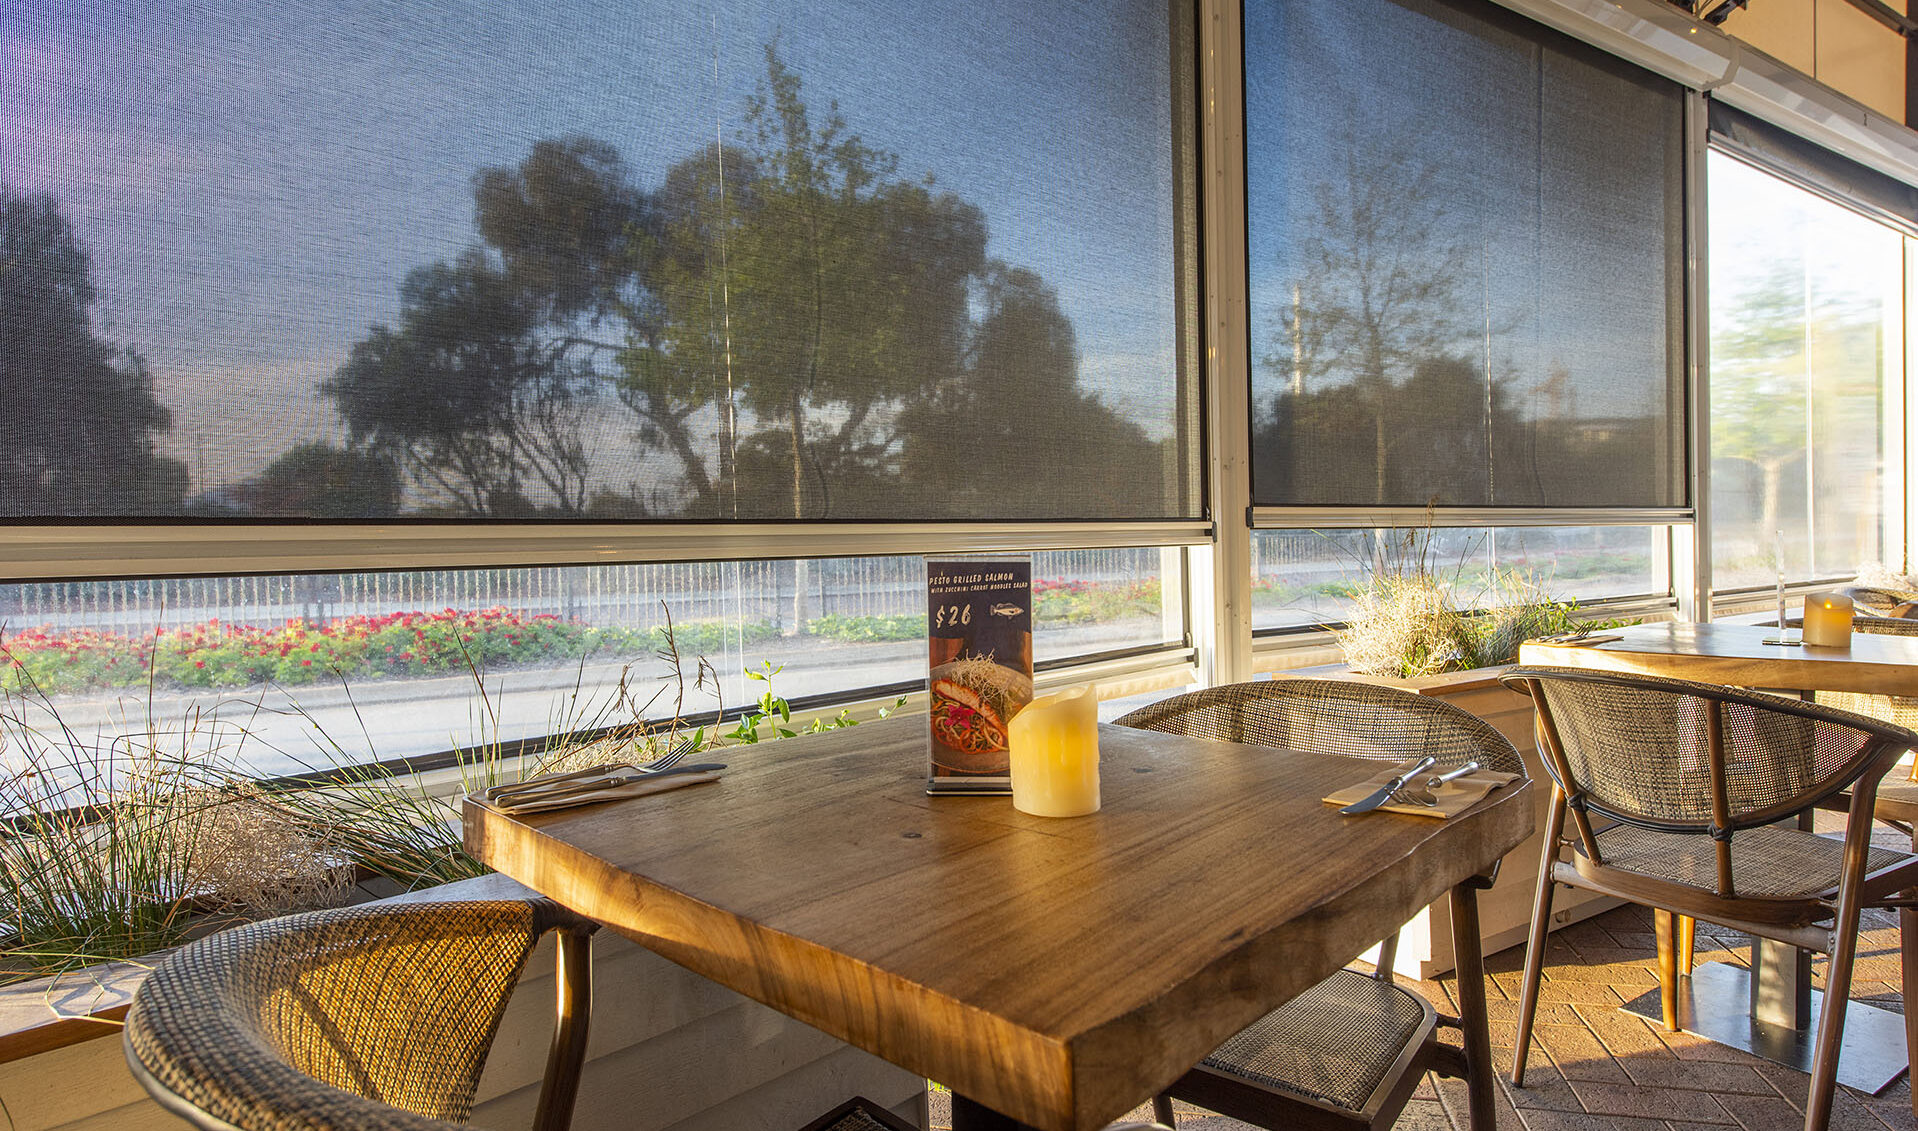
x: 1466, y: 248
x: 721, y: 260
x: 1791, y: 156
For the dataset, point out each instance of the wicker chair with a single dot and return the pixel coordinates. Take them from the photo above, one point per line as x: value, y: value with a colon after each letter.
x: 1898, y: 793
x: 352, y: 1019
x: 1674, y: 790
x: 1350, y: 1051
x: 1882, y: 602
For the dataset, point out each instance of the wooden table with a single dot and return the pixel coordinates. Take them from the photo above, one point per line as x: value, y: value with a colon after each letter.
x: 1773, y: 1010
x: 1735, y: 654
x: 1056, y: 971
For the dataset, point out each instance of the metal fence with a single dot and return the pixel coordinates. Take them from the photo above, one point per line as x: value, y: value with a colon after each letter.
x: 625, y: 595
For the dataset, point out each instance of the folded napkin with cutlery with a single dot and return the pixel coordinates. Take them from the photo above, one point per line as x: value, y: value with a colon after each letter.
x: 1453, y: 797
x: 1578, y: 638
x: 565, y: 792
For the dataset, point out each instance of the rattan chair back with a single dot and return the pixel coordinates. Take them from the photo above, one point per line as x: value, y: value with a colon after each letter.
x: 1881, y: 602
x: 1687, y: 757
x: 334, y: 1019
x: 1330, y: 716
x: 1901, y: 710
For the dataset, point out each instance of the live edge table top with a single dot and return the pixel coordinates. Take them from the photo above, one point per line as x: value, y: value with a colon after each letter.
x: 1059, y: 971
x: 1737, y: 655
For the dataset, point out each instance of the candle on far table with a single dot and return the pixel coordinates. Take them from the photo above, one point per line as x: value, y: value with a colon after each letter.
x: 1054, y: 749
x: 1828, y: 620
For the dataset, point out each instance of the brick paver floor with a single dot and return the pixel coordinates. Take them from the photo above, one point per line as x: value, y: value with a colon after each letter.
x: 1593, y: 1067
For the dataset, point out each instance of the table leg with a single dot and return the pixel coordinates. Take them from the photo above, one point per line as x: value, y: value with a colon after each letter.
x: 971, y: 1115
x: 1480, y: 1092
x: 1781, y: 984
x: 1781, y: 973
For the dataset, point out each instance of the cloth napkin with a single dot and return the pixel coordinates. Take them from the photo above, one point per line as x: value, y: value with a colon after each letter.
x: 1454, y: 797
x: 535, y: 803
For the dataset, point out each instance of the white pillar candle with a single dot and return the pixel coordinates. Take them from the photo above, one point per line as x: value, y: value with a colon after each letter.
x: 1828, y: 620
x: 1053, y: 743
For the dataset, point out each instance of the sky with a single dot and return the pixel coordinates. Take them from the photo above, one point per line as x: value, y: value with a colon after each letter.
x: 254, y: 181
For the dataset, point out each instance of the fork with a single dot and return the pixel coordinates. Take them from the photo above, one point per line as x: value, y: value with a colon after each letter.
x: 1423, y: 795
x: 697, y: 771
x: 673, y: 757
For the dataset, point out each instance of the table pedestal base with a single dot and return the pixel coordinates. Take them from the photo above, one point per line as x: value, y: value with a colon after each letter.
x: 1715, y: 1003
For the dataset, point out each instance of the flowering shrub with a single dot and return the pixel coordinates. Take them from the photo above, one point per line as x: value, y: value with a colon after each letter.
x: 1086, y: 602
x: 213, y: 654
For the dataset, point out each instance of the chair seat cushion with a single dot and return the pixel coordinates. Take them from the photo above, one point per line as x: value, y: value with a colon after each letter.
x: 1333, y: 1043
x: 1767, y: 862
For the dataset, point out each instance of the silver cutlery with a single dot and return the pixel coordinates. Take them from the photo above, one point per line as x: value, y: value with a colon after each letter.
x: 637, y: 785
x: 1427, y: 795
x: 664, y: 762
x: 544, y: 794
x: 1385, y: 792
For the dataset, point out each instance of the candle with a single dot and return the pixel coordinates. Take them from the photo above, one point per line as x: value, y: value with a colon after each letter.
x: 1828, y: 620
x: 1054, y: 749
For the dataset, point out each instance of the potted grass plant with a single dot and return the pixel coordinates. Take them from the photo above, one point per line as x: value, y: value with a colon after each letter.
x: 1450, y: 637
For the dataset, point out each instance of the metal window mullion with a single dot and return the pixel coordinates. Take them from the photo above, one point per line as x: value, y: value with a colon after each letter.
x: 1692, y: 546
x: 1221, y: 574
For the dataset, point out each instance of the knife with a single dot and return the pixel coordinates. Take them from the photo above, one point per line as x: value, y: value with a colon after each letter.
x: 1385, y: 791
x: 641, y: 787
x: 547, y: 791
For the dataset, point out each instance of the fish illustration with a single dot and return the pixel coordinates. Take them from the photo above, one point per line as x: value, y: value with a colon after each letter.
x: 1005, y: 610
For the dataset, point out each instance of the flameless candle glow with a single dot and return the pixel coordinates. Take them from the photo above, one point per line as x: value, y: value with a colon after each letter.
x: 1054, y: 744
x: 1828, y: 620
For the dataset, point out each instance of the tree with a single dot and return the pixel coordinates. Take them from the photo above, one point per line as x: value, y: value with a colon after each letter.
x: 322, y: 481
x: 777, y: 315
x: 566, y: 222
x: 1380, y: 290
x: 77, y: 414
x: 1760, y: 384
x: 1016, y: 408
x: 466, y: 396
x: 796, y: 275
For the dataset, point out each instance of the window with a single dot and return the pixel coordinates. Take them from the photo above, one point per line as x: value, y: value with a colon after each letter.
x: 717, y: 261
x: 1305, y: 578
x: 1807, y: 352
x: 474, y: 294
x: 282, y: 674
x: 1466, y: 252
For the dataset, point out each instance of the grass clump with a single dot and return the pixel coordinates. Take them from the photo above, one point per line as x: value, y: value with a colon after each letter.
x: 1406, y: 620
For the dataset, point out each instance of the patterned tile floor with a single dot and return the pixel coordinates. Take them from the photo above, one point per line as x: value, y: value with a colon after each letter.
x: 1593, y: 1067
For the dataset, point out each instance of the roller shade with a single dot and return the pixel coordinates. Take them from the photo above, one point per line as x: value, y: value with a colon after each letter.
x: 1466, y: 262
x: 714, y: 261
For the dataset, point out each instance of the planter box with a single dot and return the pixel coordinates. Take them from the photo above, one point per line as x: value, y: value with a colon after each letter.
x: 669, y: 1051
x: 1505, y: 912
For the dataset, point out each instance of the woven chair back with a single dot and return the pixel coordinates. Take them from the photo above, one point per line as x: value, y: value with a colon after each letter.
x: 1329, y: 716
x: 1901, y: 710
x: 1694, y: 757
x: 1879, y: 602
x: 396, y: 1004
